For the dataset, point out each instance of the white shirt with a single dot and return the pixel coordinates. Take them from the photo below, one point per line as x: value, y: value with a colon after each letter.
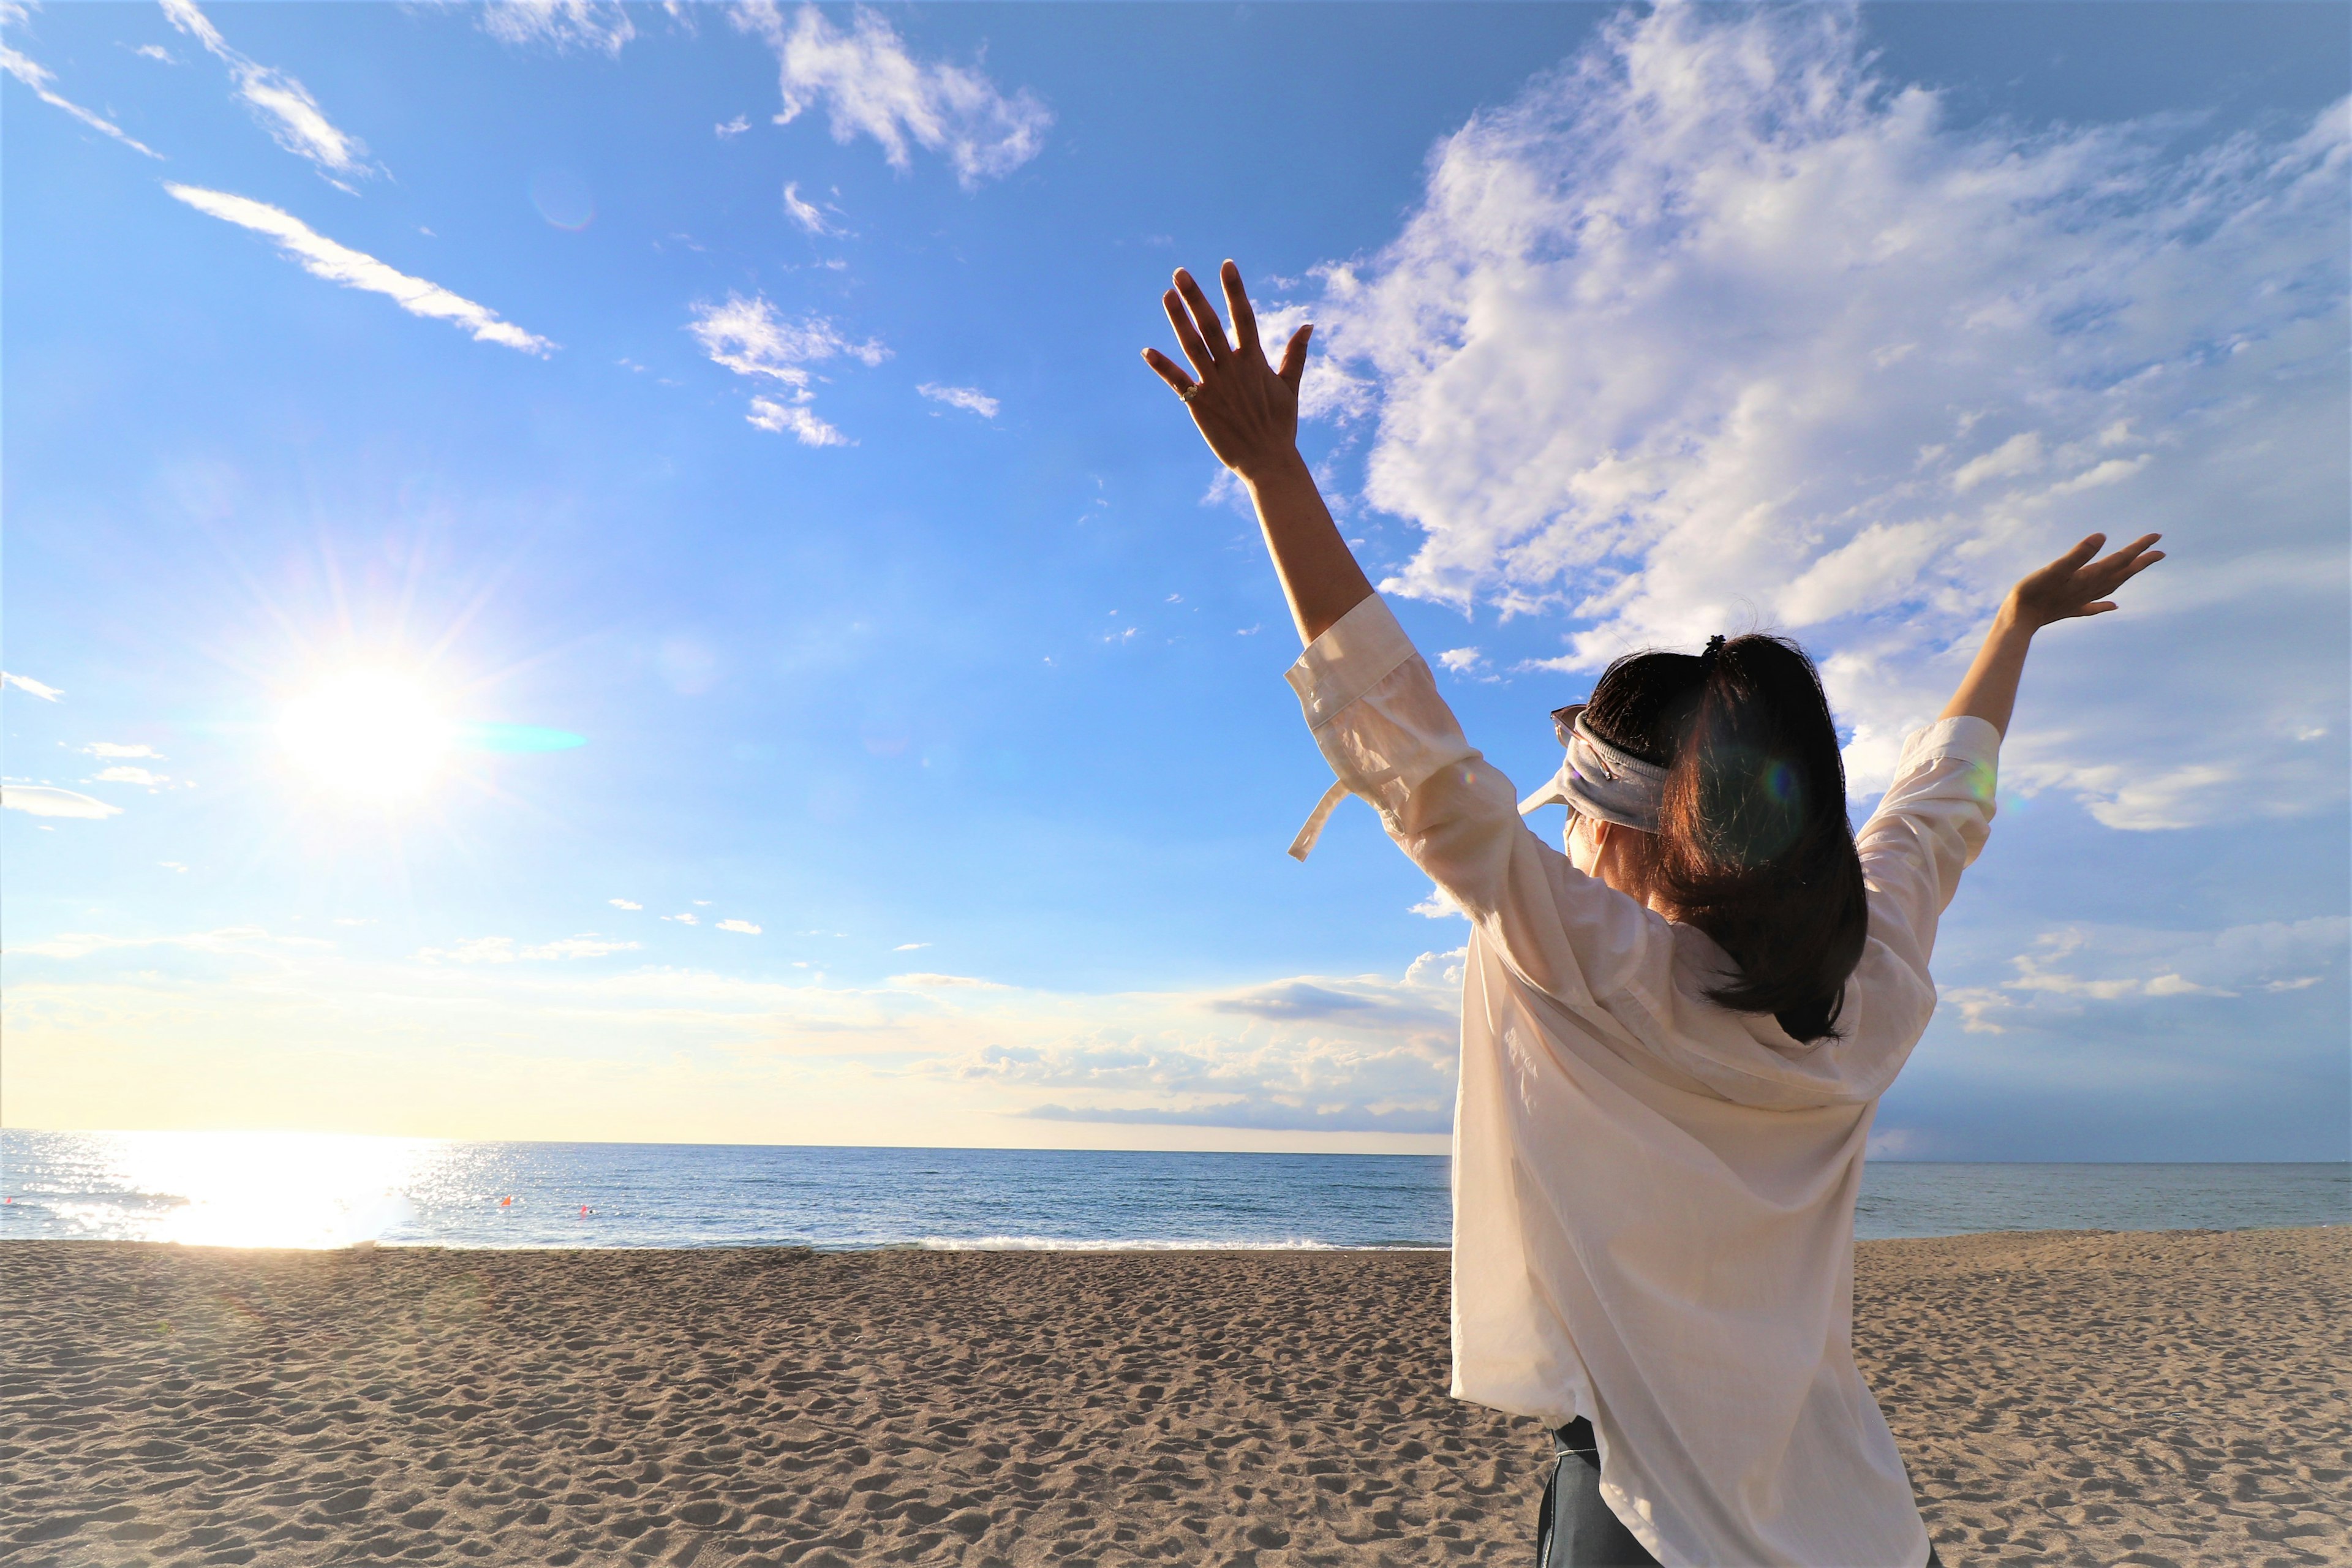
x: 1652, y: 1195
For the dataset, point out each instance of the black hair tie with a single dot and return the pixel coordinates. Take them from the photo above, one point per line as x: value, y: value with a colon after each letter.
x: 1713, y: 646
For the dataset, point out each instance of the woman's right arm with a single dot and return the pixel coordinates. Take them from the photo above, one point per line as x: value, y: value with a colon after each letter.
x: 1369, y: 696
x: 1247, y: 411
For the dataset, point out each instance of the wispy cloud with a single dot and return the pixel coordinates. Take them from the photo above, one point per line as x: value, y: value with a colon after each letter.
x: 600, y: 24
x: 30, y: 687
x: 322, y: 257
x: 744, y: 927
x: 113, y: 749
x: 965, y: 397
x: 2072, y: 966
x: 688, y: 919
x: 44, y: 800
x: 794, y: 419
x: 947, y: 983
x: 283, y: 105
x: 156, y: 52
x: 506, y: 950
x: 808, y: 215
x: 222, y: 940
x: 869, y: 85
x: 910, y: 947
x: 623, y: 904
x: 751, y: 338
x: 1717, y: 325
x: 34, y: 74
x: 727, y: 130
x: 125, y: 774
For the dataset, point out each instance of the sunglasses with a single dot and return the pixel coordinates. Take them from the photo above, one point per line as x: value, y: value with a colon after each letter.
x: 1564, y: 720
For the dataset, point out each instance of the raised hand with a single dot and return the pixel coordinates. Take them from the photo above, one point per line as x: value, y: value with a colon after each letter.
x: 2071, y: 586
x: 1246, y: 409
x: 2075, y: 585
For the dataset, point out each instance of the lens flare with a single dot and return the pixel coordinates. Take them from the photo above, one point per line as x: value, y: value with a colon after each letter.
x: 370, y: 735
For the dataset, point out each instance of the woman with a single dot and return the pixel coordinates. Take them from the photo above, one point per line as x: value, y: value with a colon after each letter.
x: 1673, y: 1036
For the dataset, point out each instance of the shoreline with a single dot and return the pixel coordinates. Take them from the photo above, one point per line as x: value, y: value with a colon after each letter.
x: 1080, y: 1249
x: 2067, y: 1396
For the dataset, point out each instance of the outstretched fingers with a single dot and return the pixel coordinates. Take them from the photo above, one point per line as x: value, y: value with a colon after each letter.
x: 2127, y: 564
x: 1188, y: 337
x: 1213, y: 329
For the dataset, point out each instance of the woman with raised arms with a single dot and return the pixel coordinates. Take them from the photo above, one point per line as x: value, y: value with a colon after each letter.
x: 1674, y: 1035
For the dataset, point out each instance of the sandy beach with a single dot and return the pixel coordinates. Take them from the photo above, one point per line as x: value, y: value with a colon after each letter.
x: 2062, y: 1398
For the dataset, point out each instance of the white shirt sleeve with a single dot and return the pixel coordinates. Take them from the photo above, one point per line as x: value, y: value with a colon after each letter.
x: 1377, y: 716
x: 1929, y: 828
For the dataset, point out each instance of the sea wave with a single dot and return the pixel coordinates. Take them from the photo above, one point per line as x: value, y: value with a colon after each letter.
x: 1160, y: 1243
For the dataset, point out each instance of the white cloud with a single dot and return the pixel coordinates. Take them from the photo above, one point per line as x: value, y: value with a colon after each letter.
x: 806, y: 213
x: 2017, y: 454
x: 41, y: 800
x: 601, y: 25
x: 910, y: 946
x: 283, y: 105
x: 588, y: 946
x: 1462, y: 660
x: 794, y: 419
x: 114, y: 748
x: 322, y: 257
x: 505, y: 949
x: 220, y: 941
x: 960, y: 1060
x: 745, y: 927
x: 124, y: 773
x: 1716, y: 327
x: 155, y: 52
x: 688, y: 919
x: 623, y: 904
x: 947, y: 982
x: 733, y: 128
x: 38, y: 76
x: 750, y: 337
x: 869, y: 85
x: 180, y: 867
x: 1440, y: 905
x: 966, y: 397
x: 2074, y: 966
x: 26, y: 684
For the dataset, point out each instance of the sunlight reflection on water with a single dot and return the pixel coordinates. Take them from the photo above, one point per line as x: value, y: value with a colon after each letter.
x: 316, y: 1190
x: 255, y: 1189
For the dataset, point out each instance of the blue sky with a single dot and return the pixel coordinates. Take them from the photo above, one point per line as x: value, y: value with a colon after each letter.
x: 751, y: 395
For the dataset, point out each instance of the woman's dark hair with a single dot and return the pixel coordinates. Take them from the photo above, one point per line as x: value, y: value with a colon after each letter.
x: 1753, y: 846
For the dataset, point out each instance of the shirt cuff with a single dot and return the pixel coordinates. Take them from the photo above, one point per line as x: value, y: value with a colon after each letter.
x: 1970, y: 738
x: 1362, y: 649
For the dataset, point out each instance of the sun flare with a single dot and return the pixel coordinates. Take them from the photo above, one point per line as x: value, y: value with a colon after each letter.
x: 367, y: 734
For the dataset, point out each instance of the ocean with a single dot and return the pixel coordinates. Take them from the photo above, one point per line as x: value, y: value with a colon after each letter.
x: 328, y: 1190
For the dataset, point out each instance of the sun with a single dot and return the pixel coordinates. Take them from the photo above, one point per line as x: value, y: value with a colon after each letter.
x: 372, y: 735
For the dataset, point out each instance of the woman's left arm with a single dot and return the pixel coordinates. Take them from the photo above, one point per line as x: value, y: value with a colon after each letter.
x: 1247, y: 411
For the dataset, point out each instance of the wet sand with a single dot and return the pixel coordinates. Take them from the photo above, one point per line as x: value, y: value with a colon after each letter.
x: 2062, y: 1398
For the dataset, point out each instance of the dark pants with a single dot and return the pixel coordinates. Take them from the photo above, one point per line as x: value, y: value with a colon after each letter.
x: 1576, y: 1528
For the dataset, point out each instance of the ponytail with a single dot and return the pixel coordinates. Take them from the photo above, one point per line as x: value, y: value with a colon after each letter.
x: 1753, y: 846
